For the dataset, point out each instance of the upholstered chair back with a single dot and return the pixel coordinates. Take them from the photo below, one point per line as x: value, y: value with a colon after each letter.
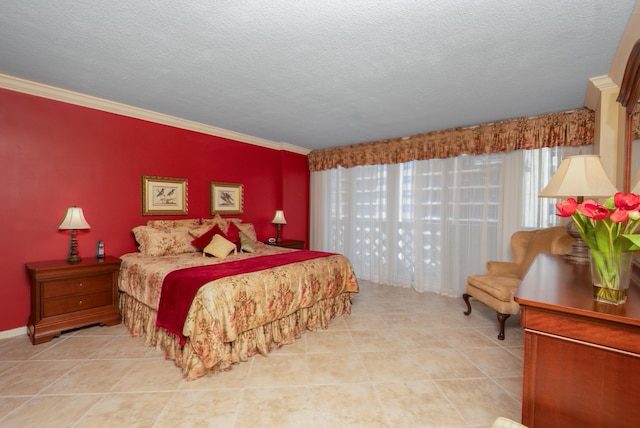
x: 526, y: 245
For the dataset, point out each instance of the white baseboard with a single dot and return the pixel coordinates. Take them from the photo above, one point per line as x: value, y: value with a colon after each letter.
x: 16, y: 332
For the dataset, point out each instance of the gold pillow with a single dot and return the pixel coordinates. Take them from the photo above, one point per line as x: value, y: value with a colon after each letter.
x: 246, y: 243
x: 248, y: 230
x: 219, y: 247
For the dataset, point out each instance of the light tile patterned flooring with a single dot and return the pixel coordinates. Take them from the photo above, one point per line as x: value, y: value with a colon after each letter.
x: 401, y: 359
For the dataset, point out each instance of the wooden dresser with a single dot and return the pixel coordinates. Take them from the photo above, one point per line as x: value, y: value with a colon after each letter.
x: 581, y: 358
x: 65, y: 296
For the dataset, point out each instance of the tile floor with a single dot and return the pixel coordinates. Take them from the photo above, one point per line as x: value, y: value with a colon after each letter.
x: 401, y: 359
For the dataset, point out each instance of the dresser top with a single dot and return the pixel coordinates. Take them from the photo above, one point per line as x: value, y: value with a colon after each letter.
x: 554, y: 284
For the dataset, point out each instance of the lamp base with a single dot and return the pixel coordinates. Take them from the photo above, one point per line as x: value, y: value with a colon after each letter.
x: 579, y: 252
x: 73, y: 249
x: 278, y: 233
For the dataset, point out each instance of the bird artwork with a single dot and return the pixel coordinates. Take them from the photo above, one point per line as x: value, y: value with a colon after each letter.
x: 226, y: 198
x: 165, y: 196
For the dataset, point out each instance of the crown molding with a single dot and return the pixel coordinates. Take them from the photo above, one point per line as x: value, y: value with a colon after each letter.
x: 54, y: 93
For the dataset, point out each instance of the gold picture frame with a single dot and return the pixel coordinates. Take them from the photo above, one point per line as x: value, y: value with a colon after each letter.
x: 164, y: 196
x: 226, y: 198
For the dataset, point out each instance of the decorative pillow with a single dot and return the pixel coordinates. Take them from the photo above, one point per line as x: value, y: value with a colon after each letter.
x: 198, y: 231
x: 171, y: 224
x: 222, y: 223
x: 203, y: 240
x: 219, y: 247
x: 160, y: 242
x: 249, y: 230
x: 246, y: 243
x: 232, y: 234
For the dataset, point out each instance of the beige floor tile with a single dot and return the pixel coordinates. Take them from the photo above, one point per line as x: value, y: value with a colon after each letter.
x: 125, y: 410
x: 98, y: 330
x: 125, y: 346
x: 416, y: 404
x: 445, y: 364
x: 73, y: 348
x: 392, y: 366
x: 9, y: 404
x: 50, y: 411
x: 367, y: 322
x: 20, y: 348
x: 379, y: 340
x: 338, y: 367
x: 330, y: 341
x: 200, y: 409
x: 346, y: 405
x: 91, y: 376
x: 275, y: 407
x: 495, y: 361
x: 279, y: 370
x: 479, y: 401
x: 151, y: 375
x: 513, y: 385
x: 31, y: 377
x: 462, y: 338
x: 415, y: 339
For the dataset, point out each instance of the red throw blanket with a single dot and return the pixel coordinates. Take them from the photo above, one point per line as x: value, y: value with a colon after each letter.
x: 179, y: 287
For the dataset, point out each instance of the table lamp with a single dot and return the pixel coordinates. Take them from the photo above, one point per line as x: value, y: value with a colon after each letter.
x: 73, y: 220
x: 279, y: 220
x: 579, y: 177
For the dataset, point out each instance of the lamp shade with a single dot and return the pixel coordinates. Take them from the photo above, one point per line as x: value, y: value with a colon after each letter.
x: 74, y: 219
x: 278, y: 218
x: 581, y: 175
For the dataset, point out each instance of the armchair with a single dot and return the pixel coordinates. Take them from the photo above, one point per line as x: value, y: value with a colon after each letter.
x: 496, y: 287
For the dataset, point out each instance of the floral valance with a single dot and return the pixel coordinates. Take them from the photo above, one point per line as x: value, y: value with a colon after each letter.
x: 572, y: 128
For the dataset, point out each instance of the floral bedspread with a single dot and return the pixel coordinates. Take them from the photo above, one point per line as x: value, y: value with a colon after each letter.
x: 235, y: 317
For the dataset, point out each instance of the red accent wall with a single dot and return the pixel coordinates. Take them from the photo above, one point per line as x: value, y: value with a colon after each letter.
x: 54, y: 155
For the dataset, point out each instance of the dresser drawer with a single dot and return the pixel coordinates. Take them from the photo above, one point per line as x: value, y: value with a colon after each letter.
x: 76, y: 303
x: 77, y: 285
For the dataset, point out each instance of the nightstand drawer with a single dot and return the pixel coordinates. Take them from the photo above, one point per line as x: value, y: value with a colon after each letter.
x: 76, y: 303
x: 79, y: 285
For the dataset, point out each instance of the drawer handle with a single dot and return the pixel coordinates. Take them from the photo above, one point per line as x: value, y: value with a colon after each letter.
x: 79, y: 302
x: 80, y: 284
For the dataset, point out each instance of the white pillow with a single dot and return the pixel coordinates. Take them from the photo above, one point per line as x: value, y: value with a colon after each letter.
x: 219, y: 247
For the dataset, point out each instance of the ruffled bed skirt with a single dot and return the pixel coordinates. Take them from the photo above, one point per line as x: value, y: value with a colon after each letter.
x: 140, y: 320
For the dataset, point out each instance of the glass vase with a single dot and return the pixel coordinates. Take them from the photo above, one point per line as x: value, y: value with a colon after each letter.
x: 611, y: 275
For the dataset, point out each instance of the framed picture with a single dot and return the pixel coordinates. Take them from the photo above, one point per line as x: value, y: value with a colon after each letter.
x: 162, y: 196
x: 226, y: 198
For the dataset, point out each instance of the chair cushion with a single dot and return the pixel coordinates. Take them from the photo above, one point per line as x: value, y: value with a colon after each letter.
x: 499, y: 287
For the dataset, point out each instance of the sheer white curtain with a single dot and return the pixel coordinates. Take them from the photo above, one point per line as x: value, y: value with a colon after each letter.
x: 429, y: 224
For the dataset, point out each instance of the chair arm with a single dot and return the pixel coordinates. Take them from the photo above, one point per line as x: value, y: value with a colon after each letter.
x: 508, y: 269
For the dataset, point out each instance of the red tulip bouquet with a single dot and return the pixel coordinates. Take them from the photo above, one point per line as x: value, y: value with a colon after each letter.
x: 609, y: 232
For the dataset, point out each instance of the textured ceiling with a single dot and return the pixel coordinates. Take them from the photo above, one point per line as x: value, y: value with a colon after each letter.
x: 318, y: 74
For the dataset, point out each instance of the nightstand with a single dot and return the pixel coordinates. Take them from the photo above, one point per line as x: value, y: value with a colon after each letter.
x: 288, y: 243
x: 66, y: 296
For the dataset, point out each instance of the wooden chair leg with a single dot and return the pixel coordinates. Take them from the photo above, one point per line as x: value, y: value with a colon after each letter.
x: 501, y: 319
x: 466, y: 297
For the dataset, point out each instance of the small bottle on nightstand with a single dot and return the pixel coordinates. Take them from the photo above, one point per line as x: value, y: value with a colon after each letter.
x: 100, y: 250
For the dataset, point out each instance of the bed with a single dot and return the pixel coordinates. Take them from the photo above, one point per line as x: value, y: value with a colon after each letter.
x: 228, y: 317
